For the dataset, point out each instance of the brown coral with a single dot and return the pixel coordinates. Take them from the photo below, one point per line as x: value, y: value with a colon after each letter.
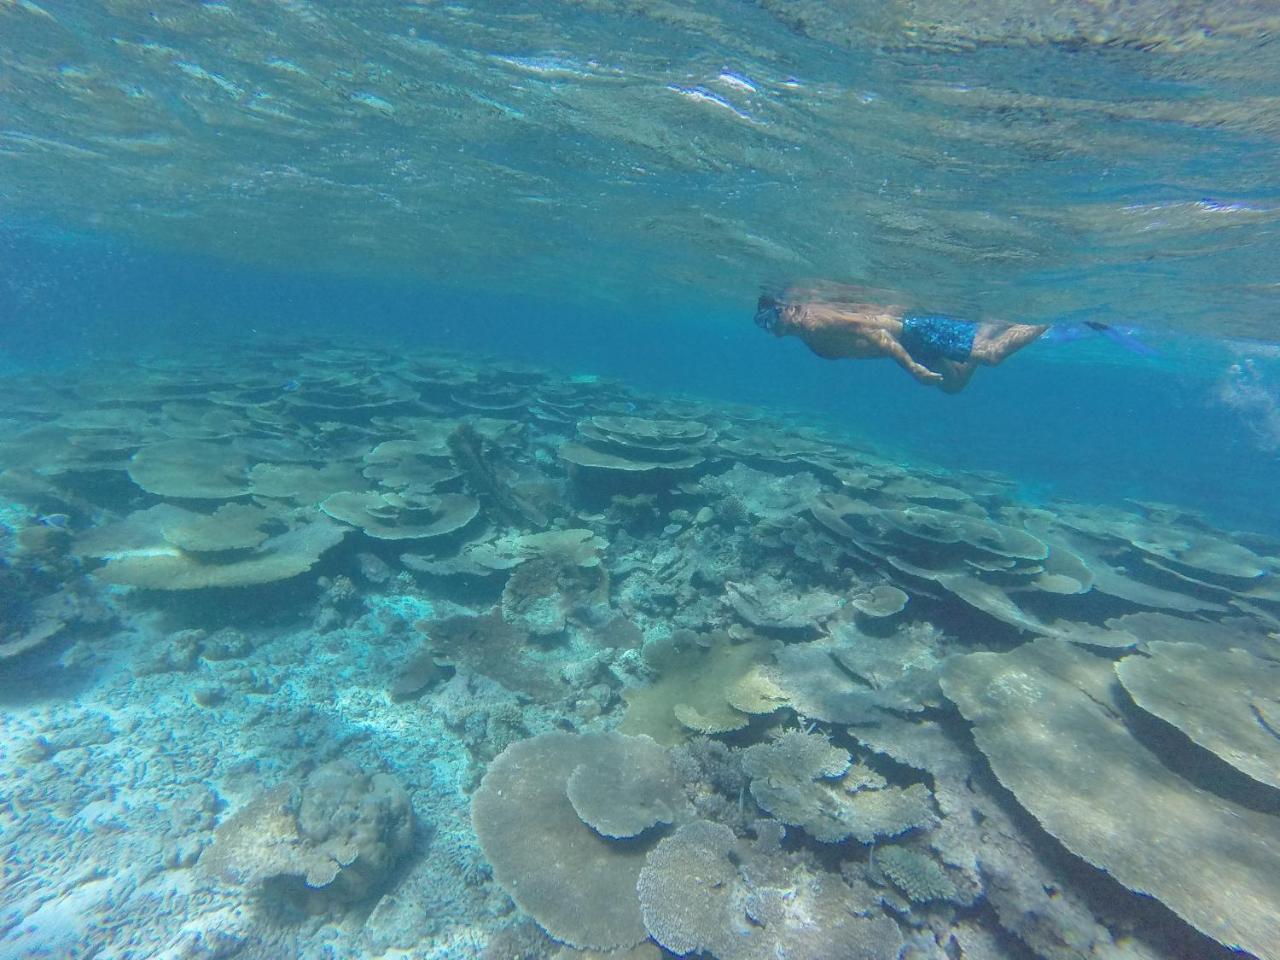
x: 1047, y: 718
x: 578, y: 884
x: 693, y: 688
x: 338, y: 830
x: 704, y: 890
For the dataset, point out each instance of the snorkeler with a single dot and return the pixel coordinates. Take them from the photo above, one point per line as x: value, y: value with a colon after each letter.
x: 937, y: 350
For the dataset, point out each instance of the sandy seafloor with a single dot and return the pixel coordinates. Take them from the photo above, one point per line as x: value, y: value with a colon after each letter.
x: 842, y: 604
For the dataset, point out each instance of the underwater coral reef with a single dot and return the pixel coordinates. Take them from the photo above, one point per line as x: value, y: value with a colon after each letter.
x: 312, y: 649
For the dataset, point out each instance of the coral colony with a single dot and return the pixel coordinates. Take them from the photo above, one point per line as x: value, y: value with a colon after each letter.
x: 431, y: 657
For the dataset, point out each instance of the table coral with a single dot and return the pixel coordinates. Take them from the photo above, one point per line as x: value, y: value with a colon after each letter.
x: 702, y: 889
x: 578, y: 884
x: 1047, y: 718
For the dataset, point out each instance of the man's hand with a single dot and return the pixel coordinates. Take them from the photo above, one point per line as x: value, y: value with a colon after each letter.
x: 893, y: 348
x: 925, y: 375
x: 918, y: 370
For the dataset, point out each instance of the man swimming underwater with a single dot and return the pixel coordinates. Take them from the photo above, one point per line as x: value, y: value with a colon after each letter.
x: 937, y: 350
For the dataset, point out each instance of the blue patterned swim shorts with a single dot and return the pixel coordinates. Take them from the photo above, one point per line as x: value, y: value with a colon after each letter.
x: 932, y: 337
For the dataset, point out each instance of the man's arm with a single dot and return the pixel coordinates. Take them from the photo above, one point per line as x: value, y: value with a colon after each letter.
x: 889, y: 344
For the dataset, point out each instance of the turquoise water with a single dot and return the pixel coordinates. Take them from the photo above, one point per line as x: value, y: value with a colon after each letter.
x: 410, y: 547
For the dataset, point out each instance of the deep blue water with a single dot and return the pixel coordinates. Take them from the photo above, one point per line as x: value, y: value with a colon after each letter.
x: 1081, y: 419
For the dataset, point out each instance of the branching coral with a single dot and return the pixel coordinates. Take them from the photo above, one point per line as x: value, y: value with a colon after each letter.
x: 918, y: 876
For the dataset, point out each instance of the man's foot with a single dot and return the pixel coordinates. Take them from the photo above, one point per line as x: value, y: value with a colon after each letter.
x: 994, y: 343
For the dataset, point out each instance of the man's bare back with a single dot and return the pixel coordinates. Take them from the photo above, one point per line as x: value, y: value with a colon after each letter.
x: 936, y: 350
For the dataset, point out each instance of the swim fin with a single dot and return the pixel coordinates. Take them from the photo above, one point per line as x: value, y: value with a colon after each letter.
x: 1125, y: 336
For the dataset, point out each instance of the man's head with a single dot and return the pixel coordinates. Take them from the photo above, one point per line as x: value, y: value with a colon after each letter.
x: 769, y: 314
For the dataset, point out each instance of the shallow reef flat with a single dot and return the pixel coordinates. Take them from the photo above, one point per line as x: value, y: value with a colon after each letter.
x: 311, y: 649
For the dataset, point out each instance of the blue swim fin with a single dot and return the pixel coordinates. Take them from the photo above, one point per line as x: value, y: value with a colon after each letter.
x: 1127, y: 337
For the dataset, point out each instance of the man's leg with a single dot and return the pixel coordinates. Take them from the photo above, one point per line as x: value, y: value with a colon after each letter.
x: 994, y: 342
x: 955, y: 376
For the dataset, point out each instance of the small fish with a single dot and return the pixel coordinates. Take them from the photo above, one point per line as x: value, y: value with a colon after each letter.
x: 290, y: 386
x: 59, y: 521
